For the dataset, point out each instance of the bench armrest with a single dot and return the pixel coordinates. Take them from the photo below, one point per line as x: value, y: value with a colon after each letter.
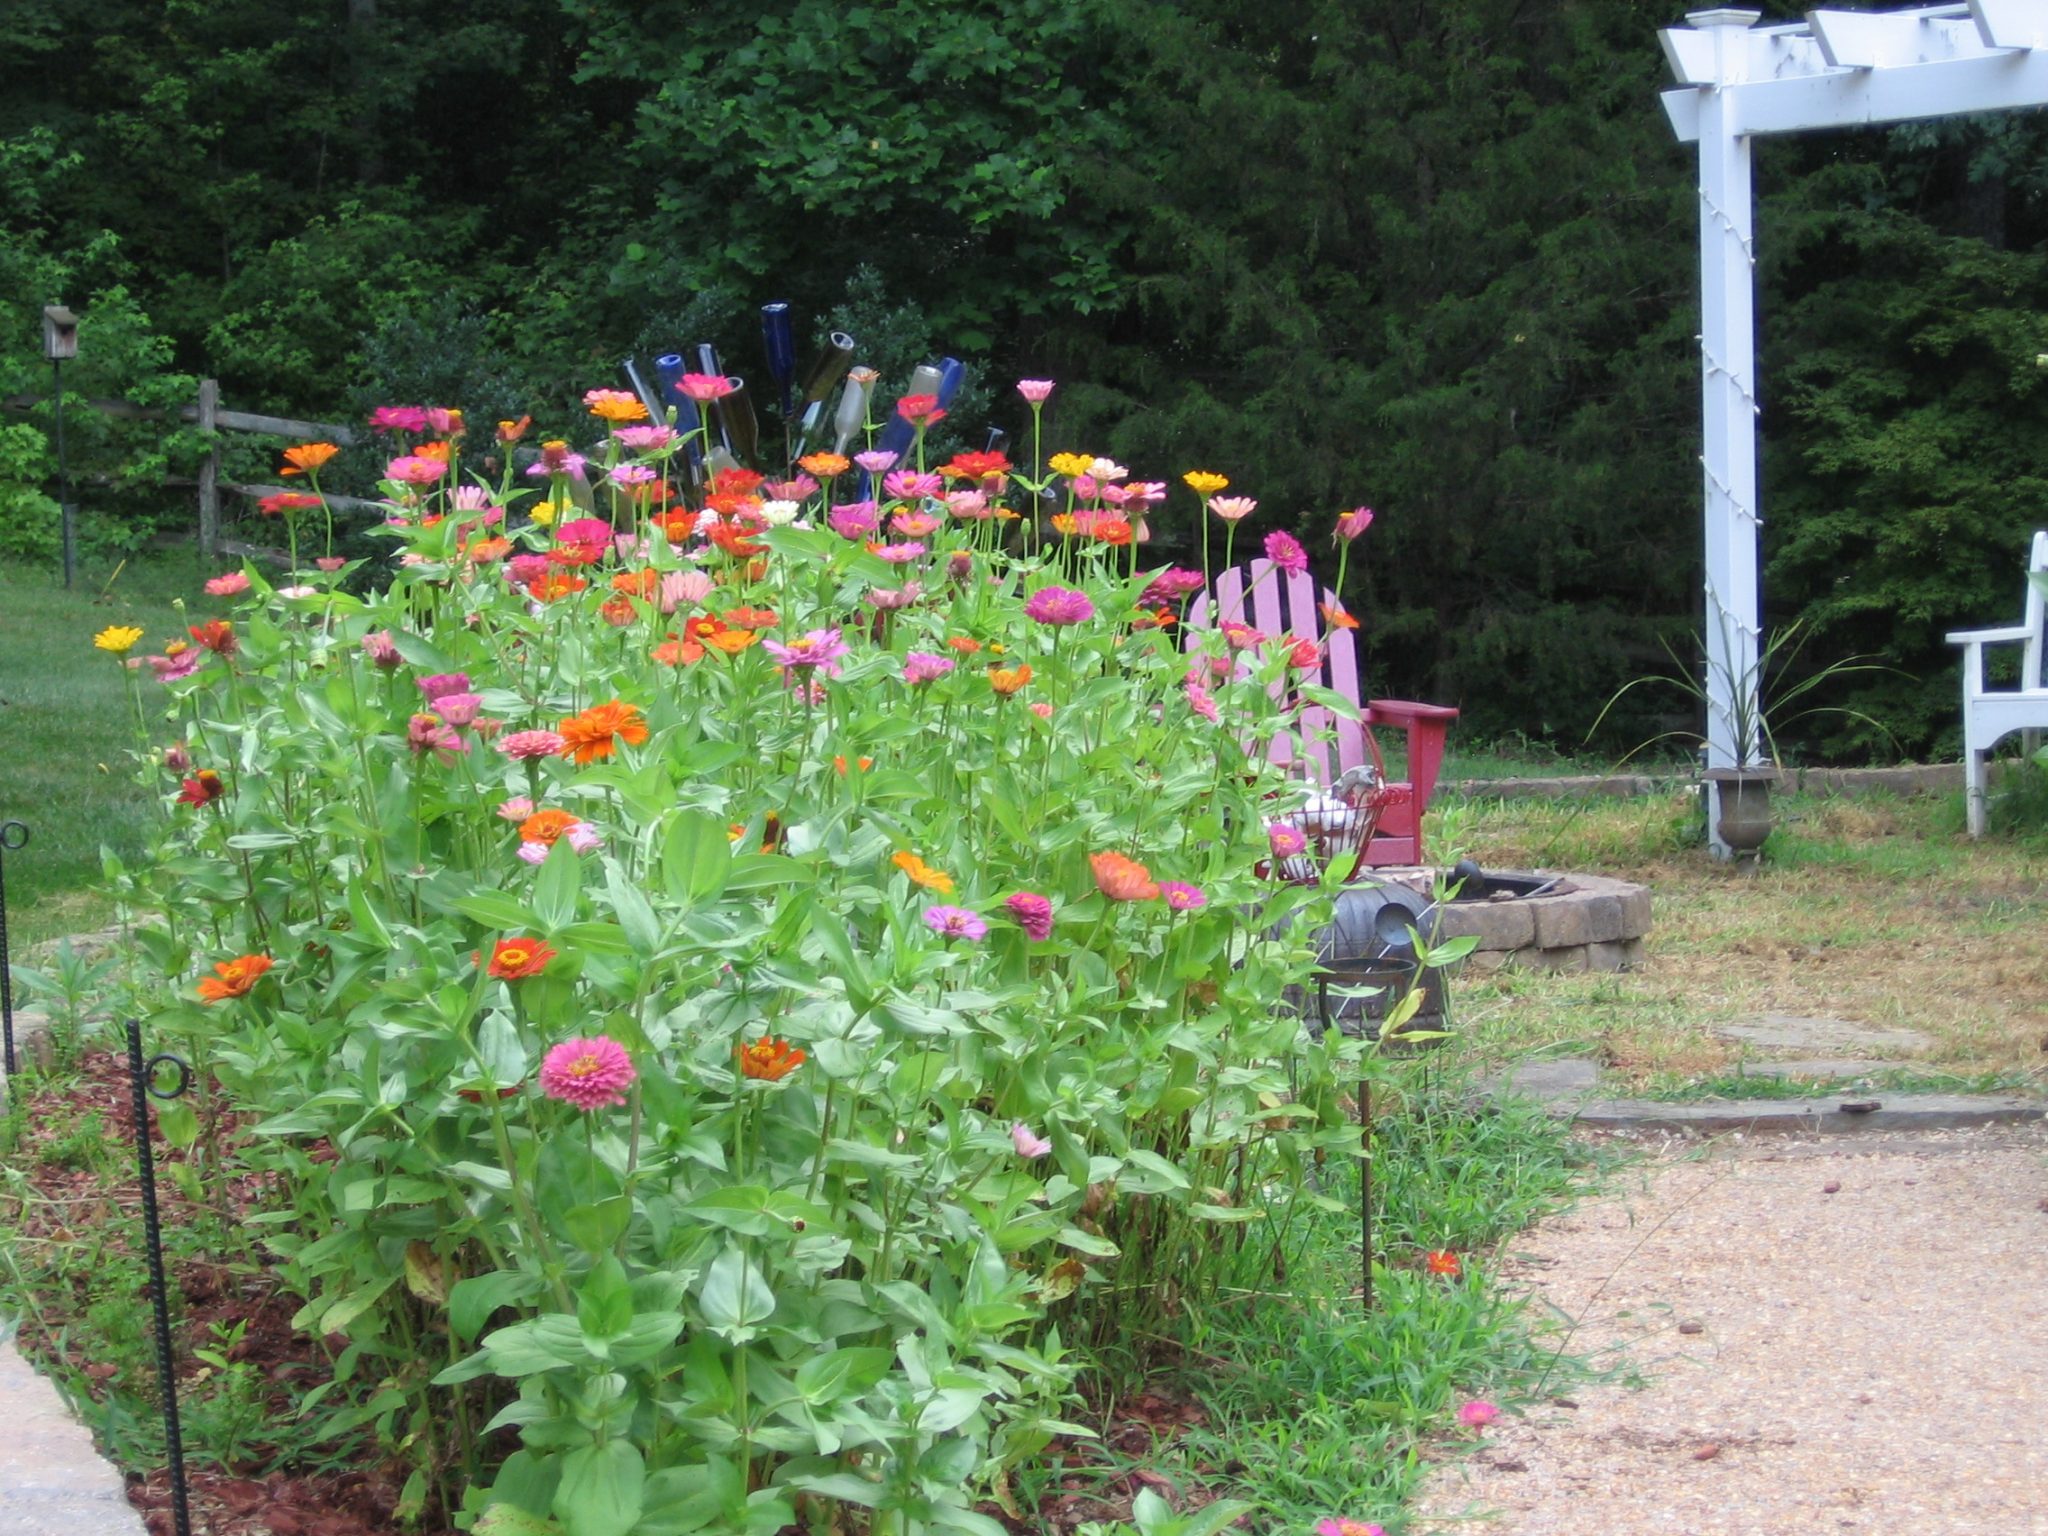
x: 1979, y: 636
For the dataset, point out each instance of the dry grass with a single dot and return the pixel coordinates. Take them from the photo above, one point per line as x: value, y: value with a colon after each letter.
x: 1872, y: 910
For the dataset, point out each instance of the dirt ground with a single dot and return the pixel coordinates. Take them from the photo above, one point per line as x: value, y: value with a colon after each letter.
x: 1799, y: 1339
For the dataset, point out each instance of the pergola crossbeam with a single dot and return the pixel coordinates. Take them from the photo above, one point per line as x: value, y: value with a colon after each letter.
x: 2011, y: 23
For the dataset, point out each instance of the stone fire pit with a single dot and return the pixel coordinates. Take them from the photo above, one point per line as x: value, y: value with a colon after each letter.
x: 1575, y: 923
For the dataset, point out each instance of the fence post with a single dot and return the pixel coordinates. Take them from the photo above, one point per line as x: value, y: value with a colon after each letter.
x: 209, y: 473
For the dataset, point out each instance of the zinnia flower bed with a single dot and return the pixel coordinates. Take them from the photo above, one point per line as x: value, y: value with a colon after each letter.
x: 737, y: 994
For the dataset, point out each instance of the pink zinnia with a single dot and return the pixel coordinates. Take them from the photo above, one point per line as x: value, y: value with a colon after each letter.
x: 382, y: 649
x: 584, y: 530
x: 1035, y: 390
x: 923, y: 667
x: 436, y: 684
x: 955, y: 923
x: 1181, y: 896
x: 1285, y: 839
x: 170, y: 669
x: 1200, y: 700
x: 591, y: 1074
x: 875, y: 460
x: 889, y: 599
x: 630, y: 475
x: 522, y: 746
x: 1027, y: 1143
x: 413, y: 470
x: 682, y: 587
x: 1351, y: 524
x: 1041, y: 709
x: 853, y: 520
x: 704, y: 387
x: 1477, y: 1413
x: 1349, y: 1528
x: 398, y: 418
x: 1169, y: 586
x: 228, y: 585
x: 1059, y: 605
x: 900, y: 554
x: 518, y: 808
x: 330, y: 562
x: 644, y: 438
x: 1031, y: 912
x: 914, y: 525
x: 910, y: 485
x: 458, y: 709
x: 570, y: 464
x: 425, y: 733
x: 819, y: 648
x: 1232, y: 508
x: 971, y: 505
x: 521, y: 570
x: 1285, y: 551
x: 790, y: 490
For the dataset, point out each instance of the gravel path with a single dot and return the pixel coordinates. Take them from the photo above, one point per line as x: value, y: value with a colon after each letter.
x: 1840, y: 1336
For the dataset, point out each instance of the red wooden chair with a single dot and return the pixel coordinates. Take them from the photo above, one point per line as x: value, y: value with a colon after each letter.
x: 1281, y: 603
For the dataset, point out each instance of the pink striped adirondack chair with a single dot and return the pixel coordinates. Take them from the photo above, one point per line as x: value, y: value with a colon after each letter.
x: 1281, y: 603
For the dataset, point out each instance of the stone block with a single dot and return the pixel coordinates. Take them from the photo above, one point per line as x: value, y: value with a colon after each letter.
x: 1620, y: 955
x: 1497, y: 924
x: 1563, y: 957
x: 1583, y: 917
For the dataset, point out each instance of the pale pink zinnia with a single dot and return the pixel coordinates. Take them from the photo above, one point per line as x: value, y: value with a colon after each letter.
x: 228, y: 585
x: 875, y: 460
x: 1200, y: 700
x: 171, y: 669
x: 1059, y: 605
x: 955, y: 923
x: 458, y: 709
x: 1028, y: 1143
x: 1232, y: 508
x: 590, y: 1074
x: 853, y: 520
x: 629, y: 476
x: 1031, y: 912
x: 523, y: 746
x: 682, y: 588
x: 1035, y: 390
x: 644, y: 438
x: 413, y: 470
x: 381, y: 649
x: 890, y: 599
x: 923, y: 667
x: 518, y: 808
x: 1285, y: 551
x: 900, y: 554
x: 913, y: 525
x: 704, y: 387
x: 971, y: 505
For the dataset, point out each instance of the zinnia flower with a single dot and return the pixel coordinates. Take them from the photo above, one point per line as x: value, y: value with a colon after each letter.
x: 228, y: 584
x: 545, y: 825
x: 922, y: 873
x: 117, y: 639
x: 429, y: 733
x: 825, y: 466
x: 1477, y: 1413
x: 234, y: 978
x: 1059, y: 605
x: 307, y: 457
x: 436, y: 684
x: 615, y: 405
x: 1348, y: 1528
x: 1007, y: 680
x: 768, y: 1059
x: 1035, y: 390
x: 415, y: 469
x: 1200, y: 700
x: 179, y: 661
x: 202, y: 789
x: 597, y: 732
x: 818, y: 649
x: 518, y: 808
x: 853, y: 520
x: 1203, y: 483
x: 1181, y: 896
x: 899, y: 554
x: 458, y: 709
x: 891, y: 599
x: 1031, y: 912
x: 398, y: 418
x: 924, y: 667
x: 590, y: 1074
x: 286, y: 501
x: 1232, y: 508
x: 1441, y: 1261
x: 875, y: 460
x: 920, y: 410
x: 1284, y: 839
x: 1335, y: 616
x: 1351, y: 524
x: 629, y: 476
x: 1285, y: 551
x: 217, y: 635
x: 704, y: 387
x: 522, y: 746
x: 1122, y: 879
x: 517, y: 959
x: 1027, y: 1143
x: 955, y: 923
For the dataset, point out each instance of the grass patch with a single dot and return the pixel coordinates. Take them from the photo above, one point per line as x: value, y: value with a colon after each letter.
x: 65, y: 711
x: 1871, y: 909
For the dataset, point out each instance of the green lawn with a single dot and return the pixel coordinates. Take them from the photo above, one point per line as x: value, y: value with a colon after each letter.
x: 69, y: 728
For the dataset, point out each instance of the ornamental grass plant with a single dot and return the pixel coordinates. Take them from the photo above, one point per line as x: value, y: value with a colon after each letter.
x: 735, y: 994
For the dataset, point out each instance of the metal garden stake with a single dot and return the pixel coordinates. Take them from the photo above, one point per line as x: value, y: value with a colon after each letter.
x: 142, y: 1080
x: 13, y: 835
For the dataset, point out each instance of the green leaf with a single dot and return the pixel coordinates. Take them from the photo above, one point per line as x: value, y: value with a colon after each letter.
x: 604, y: 1301
x: 494, y: 909
x: 471, y: 1302
x: 510, y: 1520
x: 352, y: 1306
x: 824, y: 1379
x: 596, y: 1228
x: 634, y: 912
x: 601, y: 1489
x: 558, y: 885
x: 695, y: 859
x: 735, y: 1296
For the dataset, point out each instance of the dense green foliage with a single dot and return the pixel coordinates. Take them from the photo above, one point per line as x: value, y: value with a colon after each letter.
x: 1439, y: 258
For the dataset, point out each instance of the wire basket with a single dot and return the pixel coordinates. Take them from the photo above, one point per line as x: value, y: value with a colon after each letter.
x: 1340, y: 824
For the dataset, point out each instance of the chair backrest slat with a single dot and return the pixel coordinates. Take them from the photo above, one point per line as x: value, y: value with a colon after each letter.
x: 2037, y: 599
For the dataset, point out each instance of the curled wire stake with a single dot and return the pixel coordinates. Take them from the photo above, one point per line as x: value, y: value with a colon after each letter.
x: 13, y: 835
x: 142, y: 1081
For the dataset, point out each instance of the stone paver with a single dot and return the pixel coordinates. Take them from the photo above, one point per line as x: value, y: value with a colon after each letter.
x: 1790, y: 1032
x: 52, y: 1481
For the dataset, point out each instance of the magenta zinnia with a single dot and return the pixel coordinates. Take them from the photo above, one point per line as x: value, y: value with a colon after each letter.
x: 590, y: 1074
x: 1285, y: 551
x: 819, y: 648
x: 1033, y: 913
x: 1059, y: 605
x: 1181, y: 896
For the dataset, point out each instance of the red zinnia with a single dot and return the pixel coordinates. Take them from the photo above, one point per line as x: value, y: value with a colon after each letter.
x: 517, y: 959
x: 217, y: 635
x: 202, y: 789
x: 1442, y: 1261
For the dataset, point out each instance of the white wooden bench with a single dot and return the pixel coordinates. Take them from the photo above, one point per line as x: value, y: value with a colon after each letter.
x: 1989, y: 716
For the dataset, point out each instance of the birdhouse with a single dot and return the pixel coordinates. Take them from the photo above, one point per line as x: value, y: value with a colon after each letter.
x: 60, y: 333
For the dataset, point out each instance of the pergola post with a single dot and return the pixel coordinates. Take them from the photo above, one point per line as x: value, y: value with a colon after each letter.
x: 1728, y: 411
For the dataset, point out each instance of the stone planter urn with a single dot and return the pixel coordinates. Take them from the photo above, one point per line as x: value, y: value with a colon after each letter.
x: 1745, y: 805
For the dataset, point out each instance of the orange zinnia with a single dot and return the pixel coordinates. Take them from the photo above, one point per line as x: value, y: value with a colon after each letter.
x: 512, y: 431
x: 732, y: 641
x: 234, y: 978
x: 1113, y: 531
x: 517, y: 959
x: 544, y: 826
x: 598, y: 731
x: 824, y: 465
x: 678, y: 523
x: 616, y: 611
x: 486, y: 551
x: 636, y: 583
x: 1334, y: 615
x: 1442, y: 1261
x: 673, y: 652
x: 734, y: 541
x: 440, y: 453
x: 549, y: 585
x: 922, y: 873
x: 966, y: 645
x: 750, y: 618
x: 768, y: 1059
x: 1007, y: 680
x: 839, y: 763
x: 1065, y: 523
x: 307, y: 457
x: 1122, y: 879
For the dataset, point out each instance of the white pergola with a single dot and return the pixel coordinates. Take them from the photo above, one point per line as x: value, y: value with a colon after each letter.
x: 1835, y: 69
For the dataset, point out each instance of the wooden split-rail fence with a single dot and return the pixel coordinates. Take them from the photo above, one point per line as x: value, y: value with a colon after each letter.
x: 207, y: 414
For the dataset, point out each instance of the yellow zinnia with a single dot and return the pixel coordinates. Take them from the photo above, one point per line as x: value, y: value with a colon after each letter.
x: 118, y: 638
x: 1204, y: 483
x: 1071, y: 463
x: 542, y: 513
